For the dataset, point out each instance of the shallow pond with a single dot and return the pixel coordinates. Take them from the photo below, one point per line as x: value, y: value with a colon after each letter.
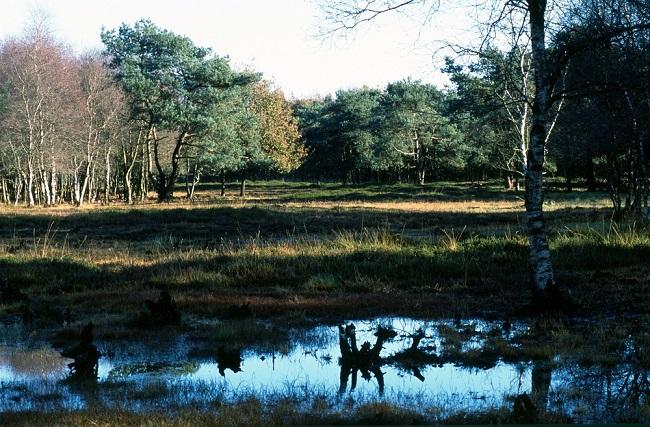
x: 436, y: 368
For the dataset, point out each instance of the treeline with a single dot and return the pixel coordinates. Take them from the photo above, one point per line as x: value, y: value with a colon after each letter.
x: 149, y: 111
x: 153, y: 110
x: 480, y: 127
x: 406, y: 132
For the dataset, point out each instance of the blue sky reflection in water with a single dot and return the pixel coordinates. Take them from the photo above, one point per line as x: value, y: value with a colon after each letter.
x: 308, y: 364
x: 319, y: 367
x: 168, y: 371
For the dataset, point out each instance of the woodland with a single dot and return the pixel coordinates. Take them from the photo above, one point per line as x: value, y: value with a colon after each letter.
x: 151, y: 191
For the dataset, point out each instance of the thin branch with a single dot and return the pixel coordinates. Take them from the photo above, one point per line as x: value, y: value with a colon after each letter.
x: 347, y: 16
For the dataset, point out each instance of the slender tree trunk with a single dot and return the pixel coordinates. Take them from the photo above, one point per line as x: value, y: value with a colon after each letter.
x: 128, y: 170
x: 640, y: 173
x: 77, y: 187
x: 5, y: 193
x: 187, y: 179
x: 540, y: 255
x: 45, y: 186
x: 53, y: 184
x: 242, y: 186
x: 116, y: 185
x: 130, y: 157
x: 418, y: 158
x: 37, y: 191
x: 107, y: 176
x: 93, y: 187
x: 18, y: 189
x: 161, y: 179
x: 84, y: 185
x: 196, y: 177
x: 29, y: 185
x: 223, y: 183
x: 62, y: 187
x: 128, y: 186
x: 145, y: 170
x: 591, y: 176
x: 190, y: 183
x: 24, y: 187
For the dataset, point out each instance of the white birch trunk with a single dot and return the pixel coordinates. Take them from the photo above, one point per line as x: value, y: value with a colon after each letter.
x: 540, y: 255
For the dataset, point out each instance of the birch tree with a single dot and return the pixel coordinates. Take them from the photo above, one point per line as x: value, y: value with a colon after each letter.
x: 102, y: 106
x: 36, y: 76
x: 547, y: 67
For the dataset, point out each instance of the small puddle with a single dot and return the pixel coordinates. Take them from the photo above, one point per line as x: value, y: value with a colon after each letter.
x: 437, y: 368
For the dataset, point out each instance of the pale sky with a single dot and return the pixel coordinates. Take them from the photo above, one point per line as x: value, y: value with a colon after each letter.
x: 277, y: 37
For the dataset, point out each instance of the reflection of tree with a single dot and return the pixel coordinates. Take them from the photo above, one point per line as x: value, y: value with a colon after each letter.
x: 617, y: 389
x: 526, y: 409
x: 413, y: 358
x: 613, y: 385
x: 541, y: 383
x: 368, y: 361
x: 83, y: 371
x: 365, y: 359
x: 87, y: 388
x: 229, y: 358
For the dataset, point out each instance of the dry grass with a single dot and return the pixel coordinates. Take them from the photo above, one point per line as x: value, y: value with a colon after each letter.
x: 292, y: 247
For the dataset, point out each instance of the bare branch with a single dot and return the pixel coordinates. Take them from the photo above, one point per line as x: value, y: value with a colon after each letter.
x: 348, y: 15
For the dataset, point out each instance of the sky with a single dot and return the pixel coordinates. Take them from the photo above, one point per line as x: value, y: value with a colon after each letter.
x: 279, y: 38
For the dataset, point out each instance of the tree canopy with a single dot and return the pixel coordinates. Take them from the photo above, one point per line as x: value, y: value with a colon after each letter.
x: 173, y: 86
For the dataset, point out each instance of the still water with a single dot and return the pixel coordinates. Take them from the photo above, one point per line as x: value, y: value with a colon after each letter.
x: 435, y: 367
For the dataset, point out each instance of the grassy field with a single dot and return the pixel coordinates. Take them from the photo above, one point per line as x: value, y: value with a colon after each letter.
x: 444, y: 249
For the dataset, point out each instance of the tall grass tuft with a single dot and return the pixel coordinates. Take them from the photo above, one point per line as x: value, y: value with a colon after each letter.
x: 451, y: 240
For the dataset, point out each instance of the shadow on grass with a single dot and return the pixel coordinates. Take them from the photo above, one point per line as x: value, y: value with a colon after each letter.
x: 203, y: 227
x: 283, y: 192
x: 476, y: 274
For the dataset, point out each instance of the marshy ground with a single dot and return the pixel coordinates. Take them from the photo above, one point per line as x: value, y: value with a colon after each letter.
x: 443, y: 249
x: 294, y: 255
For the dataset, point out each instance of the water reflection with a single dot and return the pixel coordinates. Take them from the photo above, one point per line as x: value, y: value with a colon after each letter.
x: 464, y: 366
x: 85, y: 357
x: 35, y: 363
x: 229, y: 359
x: 612, y: 389
x: 365, y: 359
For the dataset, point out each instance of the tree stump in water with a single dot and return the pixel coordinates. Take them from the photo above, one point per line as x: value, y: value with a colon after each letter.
x: 85, y: 355
x: 229, y: 359
x: 365, y: 359
x: 552, y: 300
